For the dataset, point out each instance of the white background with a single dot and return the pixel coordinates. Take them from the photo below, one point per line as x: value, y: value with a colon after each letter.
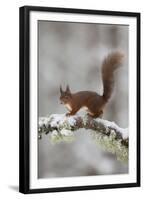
x: 9, y: 85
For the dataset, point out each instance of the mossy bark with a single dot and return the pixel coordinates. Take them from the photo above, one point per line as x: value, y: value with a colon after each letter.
x: 106, y: 134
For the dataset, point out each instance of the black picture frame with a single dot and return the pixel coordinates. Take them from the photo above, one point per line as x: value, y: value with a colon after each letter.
x: 24, y: 139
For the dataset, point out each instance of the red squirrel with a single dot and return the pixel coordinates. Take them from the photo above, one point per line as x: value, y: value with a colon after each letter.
x: 90, y: 100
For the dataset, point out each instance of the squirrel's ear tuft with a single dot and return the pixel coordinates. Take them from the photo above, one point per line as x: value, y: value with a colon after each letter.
x: 61, y: 91
x: 68, y: 89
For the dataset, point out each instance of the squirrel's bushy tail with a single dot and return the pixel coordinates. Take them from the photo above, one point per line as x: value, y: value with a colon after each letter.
x: 110, y: 64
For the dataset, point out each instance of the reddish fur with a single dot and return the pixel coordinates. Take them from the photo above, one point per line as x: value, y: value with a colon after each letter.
x: 93, y: 101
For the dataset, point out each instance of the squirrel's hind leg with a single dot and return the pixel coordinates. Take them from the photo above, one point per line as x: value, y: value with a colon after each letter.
x: 95, y: 115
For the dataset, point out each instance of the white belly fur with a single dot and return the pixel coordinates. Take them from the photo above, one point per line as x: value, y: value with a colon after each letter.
x: 85, y: 108
x: 68, y: 107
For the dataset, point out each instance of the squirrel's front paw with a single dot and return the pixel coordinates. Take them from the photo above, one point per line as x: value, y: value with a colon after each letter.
x: 67, y: 114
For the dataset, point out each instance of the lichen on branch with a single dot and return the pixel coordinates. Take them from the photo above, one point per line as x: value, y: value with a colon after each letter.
x: 106, y: 134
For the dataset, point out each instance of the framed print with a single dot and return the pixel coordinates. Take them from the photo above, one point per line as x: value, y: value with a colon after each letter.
x: 79, y: 99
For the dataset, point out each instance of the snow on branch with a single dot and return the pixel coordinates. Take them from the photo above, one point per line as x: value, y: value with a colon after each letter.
x: 106, y: 134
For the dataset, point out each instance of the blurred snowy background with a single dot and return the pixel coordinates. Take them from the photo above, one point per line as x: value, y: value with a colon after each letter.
x: 72, y: 53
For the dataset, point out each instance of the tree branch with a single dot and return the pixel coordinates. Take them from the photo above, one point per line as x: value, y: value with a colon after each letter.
x: 106, y: 134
